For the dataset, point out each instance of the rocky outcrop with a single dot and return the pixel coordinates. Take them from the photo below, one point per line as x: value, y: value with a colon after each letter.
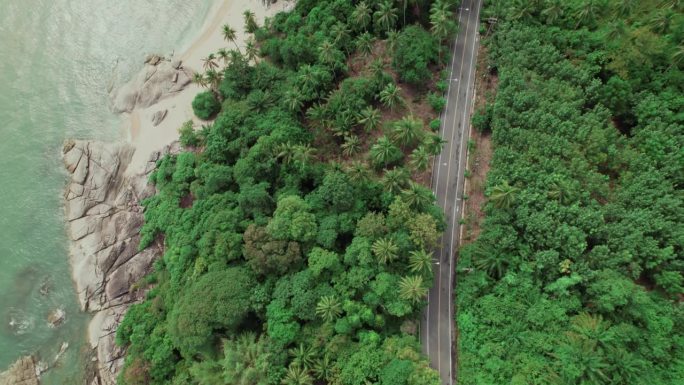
x: 22, y: 372
x: 104, y: 218
x: 158, y: 79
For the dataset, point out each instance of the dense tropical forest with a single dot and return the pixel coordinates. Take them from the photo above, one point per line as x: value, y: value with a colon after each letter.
x: 576, y: 277
x: 296, y: 227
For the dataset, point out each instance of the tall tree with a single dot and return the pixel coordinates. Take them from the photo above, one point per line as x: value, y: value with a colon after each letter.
x: 385, y: 250
x: 361, y: 16
x: 329, y: 308
x: 386, y: 15
x: 229, y: 34
x: 411, y: 288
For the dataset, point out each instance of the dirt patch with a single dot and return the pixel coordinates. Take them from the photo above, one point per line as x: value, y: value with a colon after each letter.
x: 479, y: 153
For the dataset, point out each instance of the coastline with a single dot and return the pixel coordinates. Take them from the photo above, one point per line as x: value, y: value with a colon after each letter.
x: 109, y: 180
x: 140, y: 131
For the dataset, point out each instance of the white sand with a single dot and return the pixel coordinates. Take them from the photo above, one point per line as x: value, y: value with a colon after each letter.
x: 141, y: 133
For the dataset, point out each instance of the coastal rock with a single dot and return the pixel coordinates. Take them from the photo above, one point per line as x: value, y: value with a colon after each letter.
x: 158, y: 117
x: 56, y: 317
x: 22, y: 372
x: 157, y: 80
x: 104, y: 218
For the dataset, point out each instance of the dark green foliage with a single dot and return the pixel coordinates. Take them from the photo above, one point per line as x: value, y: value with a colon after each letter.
x: 437, y: 102
x: 205, y: 105
x: 415, y: 50
x: 576, y: 277
x: 268, y: 275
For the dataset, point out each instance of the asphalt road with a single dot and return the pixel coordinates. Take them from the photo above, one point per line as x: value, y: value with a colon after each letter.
x: 437, y: 324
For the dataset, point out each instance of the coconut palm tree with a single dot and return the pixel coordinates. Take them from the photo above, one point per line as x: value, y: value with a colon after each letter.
x: 250, y: 21
x: 370, y: 118
x: 358, y: 171
x: 491, y: 262
x: 661, y: 20
x: 383, y: 150
x: 420, y: 159
x: 246, y: 360
x: 316, y: 112
x: 503, y: 195
x: 417, y: 196
x: 390, y: 96
x: 420, y: 262
x: 303, y: 357
x: 364, y: 43
x: 209, y: 62
x: 623, y: 8
x: 441, y: 21
x: 323, y: 368
x: 587, y: 13
x: 434, y: 144
x: 285, y: 152
x: 223, y: 54
x: 385, y: 250
x: 351, y: 145
x: 361, y: 16
x: 392, y: 38
x: 229, y: 34
x: 395, y: 180
x: 303, y: 154
x: 251, y: 50
x: 339, y: 32
x: 213, y: 78
x: 329, y: 308
x: 326, y: 52
x: 411, y: 288
x: 407, y: 131
x: 386, y: 15
x: 297, y: 376
x: 199, y: 79
x: 553, y: 11
x: 377, y: 68
x: 293, y: 99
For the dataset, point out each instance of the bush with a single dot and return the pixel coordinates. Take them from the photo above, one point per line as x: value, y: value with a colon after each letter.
x: 435, y: 124
x: 482, y: 118
x: 437, y: 102
x: 205, y: 105
x: 188, y: 136
x: 416, y: 49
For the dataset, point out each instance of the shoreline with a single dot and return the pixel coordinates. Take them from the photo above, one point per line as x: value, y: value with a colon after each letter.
x: 107, y: 182
x: 137, y: 126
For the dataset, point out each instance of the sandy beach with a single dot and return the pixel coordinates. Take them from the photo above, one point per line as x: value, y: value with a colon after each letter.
x: 141, y: 133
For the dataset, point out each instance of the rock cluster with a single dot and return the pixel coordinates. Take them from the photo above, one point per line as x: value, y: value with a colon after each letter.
x: 22, y: 372
x: 158, y: 79
x: 104, y: 217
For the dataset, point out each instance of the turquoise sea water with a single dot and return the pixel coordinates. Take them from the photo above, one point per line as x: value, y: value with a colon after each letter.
x: 57, y: 60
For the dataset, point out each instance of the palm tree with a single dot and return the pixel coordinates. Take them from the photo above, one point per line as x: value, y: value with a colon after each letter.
x: 395, y: 180
x: 420, y: 159
x: 678, y: 56
x: 434, y: 144
x: 302, y: 357
x: 339, y: 32
x: 420, y: 261
x: 351, y: 145
x: 386, y: 15
x: 370, y: 118
x: 441, y: 21
x: 303, y: 154
x: 392, y: 38
x: 329, y: 308
x: 250, y: 21
x: 229, y: 34
x: 213, y: 78
x: 417, y: 196
x: 324, y: 368
x: 293, y: 99
x: 364, y: 43
x: 297, y: 376
x: 661, y: 20
x: 251, y: 50
x: 246, y: 359
x: 209, y: 62
x: 223, y: 54
x: 361, y: 16
x: 411, y: 288
x: 553, y: 11
x: 358, y: 171
x: 503, y: 195
x: 489, y: 261
x: 199, y: 79
x: 407, y: 130
x: 587, y: 13
x: 377, y: 68
x: 382, y: 151
x: 316, y: 112
x: 623, y: 8
x: 385, y: 250
x: 390, y: 96
x: 326, y: 52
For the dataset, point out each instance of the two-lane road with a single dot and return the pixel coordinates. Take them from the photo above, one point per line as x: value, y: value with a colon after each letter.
x: 437, y: 325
